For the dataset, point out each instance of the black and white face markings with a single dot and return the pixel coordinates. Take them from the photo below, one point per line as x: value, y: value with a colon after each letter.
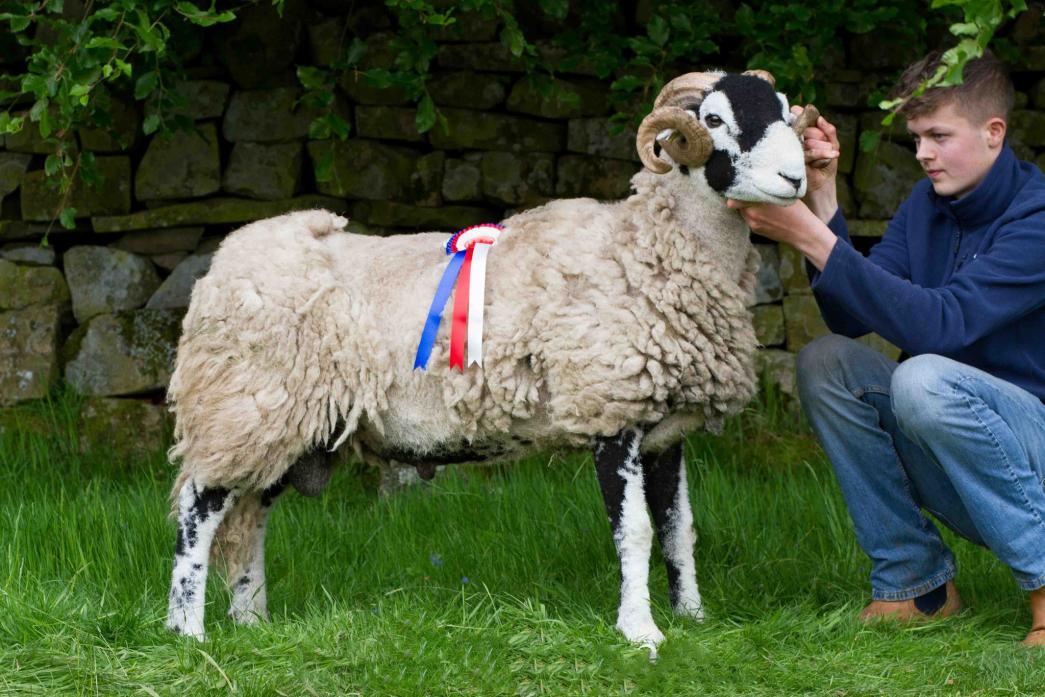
x: 249, y: 596
x: 200, y: 512
x: 667, y: 493
x: 618, y: 466
x: 756, y: 155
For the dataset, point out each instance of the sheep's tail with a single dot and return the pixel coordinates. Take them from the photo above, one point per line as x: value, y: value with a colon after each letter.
x: 322, y: 223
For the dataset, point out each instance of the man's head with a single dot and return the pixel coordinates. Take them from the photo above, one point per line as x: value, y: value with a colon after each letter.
x: 959, y: 131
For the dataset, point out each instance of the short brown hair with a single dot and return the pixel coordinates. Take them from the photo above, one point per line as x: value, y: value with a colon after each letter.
x: 986, y: 90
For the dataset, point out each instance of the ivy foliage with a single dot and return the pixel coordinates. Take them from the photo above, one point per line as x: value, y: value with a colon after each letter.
x: 77, y: 56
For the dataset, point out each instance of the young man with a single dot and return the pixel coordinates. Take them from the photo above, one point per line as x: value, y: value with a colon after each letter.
x: 958, y: 283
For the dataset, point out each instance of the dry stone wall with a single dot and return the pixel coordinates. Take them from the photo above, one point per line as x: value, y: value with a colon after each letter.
x: 100, y: 306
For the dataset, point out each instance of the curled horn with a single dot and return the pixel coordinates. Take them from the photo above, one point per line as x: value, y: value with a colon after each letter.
x: 807, y: 118
x: 690, y: 143
x: 764, y: 74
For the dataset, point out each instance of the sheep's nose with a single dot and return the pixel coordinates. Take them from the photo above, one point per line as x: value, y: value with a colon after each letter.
x: 797, y: 183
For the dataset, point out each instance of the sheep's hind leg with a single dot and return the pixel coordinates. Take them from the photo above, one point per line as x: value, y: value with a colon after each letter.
x: 200, y: 512
x: 241, y: 543
x: 667, y: 494
x: 619, y: 469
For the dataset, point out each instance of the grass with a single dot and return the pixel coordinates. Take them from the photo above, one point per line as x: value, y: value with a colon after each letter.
x: 489, y: 582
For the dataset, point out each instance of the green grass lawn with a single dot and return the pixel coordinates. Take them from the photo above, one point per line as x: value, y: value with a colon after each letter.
x: 488, y: 582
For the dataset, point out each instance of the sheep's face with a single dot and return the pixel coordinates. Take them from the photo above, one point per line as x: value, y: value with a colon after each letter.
x: 734, y: 131
x: 756, y: 155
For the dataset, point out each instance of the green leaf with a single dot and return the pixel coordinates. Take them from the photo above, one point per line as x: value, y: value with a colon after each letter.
x: 556, y: 9
x: 339, y: 126
x: 203, y: 18
x: 658, y: 30
x: 151, y: 123
x: 324, y: 167
x: 145, y: 85
x: 311, y: 77
x: 68, y: 218
x: 52, y: 165
x: 425, y: 118
x: 869, y: 140
x: 355, y: 52
x: 319, y: 129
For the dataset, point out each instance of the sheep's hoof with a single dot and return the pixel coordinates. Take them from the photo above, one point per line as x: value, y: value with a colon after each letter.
x: 694, y: 611
x: 641, y: 631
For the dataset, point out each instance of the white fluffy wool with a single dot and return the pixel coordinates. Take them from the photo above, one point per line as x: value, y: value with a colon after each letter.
x: 599, y: 317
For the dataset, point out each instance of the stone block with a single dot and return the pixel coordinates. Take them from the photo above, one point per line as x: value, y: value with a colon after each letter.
x: 28, y: 139
x: 258, y: 49
x: 28, y: 352
x: 267, y: 116
x: 468, y: 88
x: 1028, y: 128
x: 111, y: 196
x: 517, y: 179
x: 128, y: 429
x: 600, y: 136
x: 895, y: 132
x: 1037, y: 95
x: 769, y: 324
x: 176, y: 289
x: 122, y: 354
x: 387, y: 122
x: 884, y: 178
x: 204, y: 99
x: 449, y: 218
x: 847, y: 141
x: 267, y: 171
x: 849, y: 95
x: 183, y: 165
x: 426, y: 182
x: 489, y: 57
x: 28, y: 254
x: 768, y: 288
x: 105, y: 280
x: 554, y: 98
x: 164, y: 241
x: 213, y: 211
x: 117, y: 134
x: 22, y: 286
x: 793, y: 271
x: 597, y: 177
x: 462, y: 178
x: 778, y: 369
x: 326, y: 40
x: 867, y: 228
x: 803, y: 321
x: 12, y: 169
x: 365, y: 168
x: 362, y: 91
x: 478, y: 130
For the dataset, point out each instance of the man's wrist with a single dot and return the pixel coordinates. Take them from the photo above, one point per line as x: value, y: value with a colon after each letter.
x: 817, y: 244
x: 823, y: 202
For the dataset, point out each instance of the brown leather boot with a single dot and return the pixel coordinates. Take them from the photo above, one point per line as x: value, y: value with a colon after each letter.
x: 1036, y: 636
x: 906, y: 611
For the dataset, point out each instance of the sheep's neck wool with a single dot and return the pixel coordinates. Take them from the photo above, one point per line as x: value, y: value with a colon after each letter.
x: 469, y: 248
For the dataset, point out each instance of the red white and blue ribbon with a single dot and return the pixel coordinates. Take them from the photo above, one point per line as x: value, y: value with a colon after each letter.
x: 467, y: 269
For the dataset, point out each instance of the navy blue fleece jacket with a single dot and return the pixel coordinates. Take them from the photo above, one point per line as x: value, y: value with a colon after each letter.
x: 960, y: 278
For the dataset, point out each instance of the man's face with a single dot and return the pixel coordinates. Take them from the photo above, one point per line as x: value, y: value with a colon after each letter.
x: 955, y: 153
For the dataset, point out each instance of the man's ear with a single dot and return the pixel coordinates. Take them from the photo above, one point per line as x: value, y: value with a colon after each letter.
x: 996, y: 129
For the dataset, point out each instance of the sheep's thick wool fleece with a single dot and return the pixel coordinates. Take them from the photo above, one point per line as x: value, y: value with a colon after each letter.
x: 597, y: 317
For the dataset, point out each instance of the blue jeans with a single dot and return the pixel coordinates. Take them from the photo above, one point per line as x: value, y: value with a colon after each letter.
x: 932, y: 434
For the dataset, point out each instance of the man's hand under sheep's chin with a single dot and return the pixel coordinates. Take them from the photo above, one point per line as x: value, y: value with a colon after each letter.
x: 795, y: 225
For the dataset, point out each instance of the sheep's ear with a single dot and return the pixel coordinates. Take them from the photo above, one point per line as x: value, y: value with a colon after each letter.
x: 789, y: 118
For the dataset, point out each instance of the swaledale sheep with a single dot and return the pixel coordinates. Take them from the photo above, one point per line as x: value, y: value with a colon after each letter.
x: 616, y: 326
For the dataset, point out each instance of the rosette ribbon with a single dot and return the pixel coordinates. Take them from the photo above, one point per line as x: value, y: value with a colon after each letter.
x: 467, y: 269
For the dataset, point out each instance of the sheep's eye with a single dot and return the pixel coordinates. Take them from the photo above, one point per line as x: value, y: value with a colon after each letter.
x: 713, y: 121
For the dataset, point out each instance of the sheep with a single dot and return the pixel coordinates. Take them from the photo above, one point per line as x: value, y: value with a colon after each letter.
x: 615, y: 326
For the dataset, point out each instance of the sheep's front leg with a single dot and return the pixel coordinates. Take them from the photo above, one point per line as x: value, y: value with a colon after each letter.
x: 200, y: 512
x: 619, y: 469
x: 667, y: 493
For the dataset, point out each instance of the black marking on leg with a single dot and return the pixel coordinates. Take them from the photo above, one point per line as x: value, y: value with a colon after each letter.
x: 243, y: 581
x: 662, y: 485
x: 611, y: 454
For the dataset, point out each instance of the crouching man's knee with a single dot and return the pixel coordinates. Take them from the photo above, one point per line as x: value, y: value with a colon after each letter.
x: 823, y: 363
x: 921, y: 388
